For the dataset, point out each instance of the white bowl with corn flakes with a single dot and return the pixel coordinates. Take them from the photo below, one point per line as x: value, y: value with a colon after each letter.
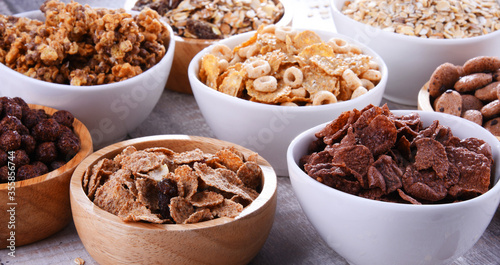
x: 173, y: 199
x: 304, y: 78
x: 376, y: 209
x: 416, y: 37
x: 109, y: 87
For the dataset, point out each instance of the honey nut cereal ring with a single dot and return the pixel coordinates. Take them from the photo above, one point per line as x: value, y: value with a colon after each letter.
x: 293, y: 77
x: 339, y: 45
x: 222, y: 51
x: 323, y: 97
x: 367, y: 84
x: 257, y: 68
x: 282, y: 32
x: 351, y: 79
x: 373, y: 65
x: 289, y: 103
x: 371, y: 74
x: 358, y: 92
x: 265, y: 84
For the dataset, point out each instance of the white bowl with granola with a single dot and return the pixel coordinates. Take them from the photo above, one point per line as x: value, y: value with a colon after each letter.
x: 173, y: 199
x: 384, y: 224
x: 298, y: 94
x: 111, y: 88
x: 442, y: 32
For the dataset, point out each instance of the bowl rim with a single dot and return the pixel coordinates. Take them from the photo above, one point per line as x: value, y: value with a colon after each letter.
x: 85, y: 150
x: 419, y: 40
x: 495, y: 189
x: 193, y: 70
x: 110, y: 86
x: 77, y: 194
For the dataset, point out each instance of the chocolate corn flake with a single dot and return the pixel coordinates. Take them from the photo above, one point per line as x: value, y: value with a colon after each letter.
x: 158, y: 185
x: 376, y: 154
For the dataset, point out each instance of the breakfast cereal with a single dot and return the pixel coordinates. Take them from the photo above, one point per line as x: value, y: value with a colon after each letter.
x: 436, y: 19
x: 159, y: 185
x: 477, y: 85
x: 33, y: 142
x: 282, y: 66
x: 205, y: 19
x: 83, y: 46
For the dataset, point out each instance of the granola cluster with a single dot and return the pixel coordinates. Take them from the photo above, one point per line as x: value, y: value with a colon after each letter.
x: 83, y: 46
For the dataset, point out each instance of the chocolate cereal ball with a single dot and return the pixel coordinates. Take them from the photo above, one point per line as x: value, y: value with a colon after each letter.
x: 64, y: 117
x: 46, y: 152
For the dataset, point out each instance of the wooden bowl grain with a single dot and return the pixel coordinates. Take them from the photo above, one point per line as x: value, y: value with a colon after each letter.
x: 109, y: 240
x: 40, y: 207
x: 424, y: 100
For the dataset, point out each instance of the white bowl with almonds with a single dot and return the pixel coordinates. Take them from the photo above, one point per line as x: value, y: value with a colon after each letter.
x: 263, y: 100
x: 173, y: 199
x: 414, y: 39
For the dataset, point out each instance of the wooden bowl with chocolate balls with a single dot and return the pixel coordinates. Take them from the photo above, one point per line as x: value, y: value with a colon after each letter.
x: 40, y: 148
x: 470, y: 91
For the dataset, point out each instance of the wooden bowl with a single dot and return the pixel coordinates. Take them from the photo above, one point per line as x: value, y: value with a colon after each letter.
x: 187, y: 48
x: 424, y: 100
x: 36, y: 208
x: 109, y: 240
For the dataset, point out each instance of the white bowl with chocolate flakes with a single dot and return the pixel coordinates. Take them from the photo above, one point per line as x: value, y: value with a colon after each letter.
x: 397, y: 187
x: 414, y: 37
x: 173, y: 199
x: 106, y: 66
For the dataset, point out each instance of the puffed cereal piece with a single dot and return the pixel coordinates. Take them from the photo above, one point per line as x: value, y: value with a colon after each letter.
x: 489, y: 92
x: 339, y: 45
x: 493, y: 126
x: 474, y: 116
x: 372, y: 75
x: 481, y: 64
x: 472, y: 82
x: 282, y: 32
x: 323, y: 97
x: 491, y: 109
x: 443, y: 78
x: 222, y: 51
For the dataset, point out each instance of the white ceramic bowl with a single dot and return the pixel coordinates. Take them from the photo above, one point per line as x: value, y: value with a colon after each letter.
x: 411, y: 60
x: 372, y: 232
x: 268, y: 129
x: 109, y: 111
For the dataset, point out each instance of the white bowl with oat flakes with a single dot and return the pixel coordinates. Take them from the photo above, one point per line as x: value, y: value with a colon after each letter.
x: 111, y: 110
x: 267, y: 128
x: 410, y: 59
